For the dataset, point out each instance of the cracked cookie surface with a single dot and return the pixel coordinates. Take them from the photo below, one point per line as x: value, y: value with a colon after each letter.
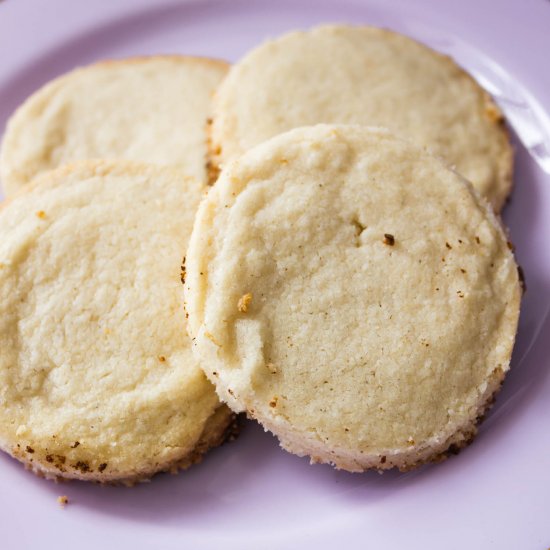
x: 364, y: 75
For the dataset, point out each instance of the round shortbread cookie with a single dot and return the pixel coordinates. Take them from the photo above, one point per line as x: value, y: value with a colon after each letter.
x: 364, y: 75
x: 354, y: 295
x: 148, y: 109
x: 97, y: 377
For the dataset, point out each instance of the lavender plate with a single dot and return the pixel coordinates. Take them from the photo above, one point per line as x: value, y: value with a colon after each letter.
x: 250, y: 494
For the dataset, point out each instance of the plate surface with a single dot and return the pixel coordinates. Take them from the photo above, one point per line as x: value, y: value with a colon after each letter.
x: 249, y: 493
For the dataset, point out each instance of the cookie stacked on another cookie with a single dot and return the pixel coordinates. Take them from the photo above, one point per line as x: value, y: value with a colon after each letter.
x: 146, y: 109
x: 354, y: 295
x: 98, y: 379
x: 364, y: 75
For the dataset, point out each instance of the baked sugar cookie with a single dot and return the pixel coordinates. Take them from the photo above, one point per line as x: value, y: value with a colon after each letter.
x: 364, y: 75
x: 97, y: 378
x: 354, y: 295
x: 149, y: 109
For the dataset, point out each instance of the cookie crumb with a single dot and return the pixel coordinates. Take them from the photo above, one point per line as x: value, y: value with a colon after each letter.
x: 493, y: 113
x: 389, y: 239
x: 359, y: 227
x: 162, y: 358
x: 63, y: 501
x: 82, y: 466
x: 183, y: 273
x: 273, y: 402
x: 271, y: 368
x: 212, y: 171
x: 522, y: 282
x: 244, y: 302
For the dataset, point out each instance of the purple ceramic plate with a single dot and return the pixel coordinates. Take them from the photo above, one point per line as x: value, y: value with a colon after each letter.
x: 250, y: 494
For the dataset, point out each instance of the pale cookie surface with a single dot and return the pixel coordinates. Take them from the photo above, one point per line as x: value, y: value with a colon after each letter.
x: 97, y: 377
x: 364, y: 75
x: 150, y: 109
x: 354, y: 295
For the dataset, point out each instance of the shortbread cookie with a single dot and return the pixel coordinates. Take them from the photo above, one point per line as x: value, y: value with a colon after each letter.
x: 97, y: 378
x: 354, y: 295
x: 150, y: 109
x: 364, y: 75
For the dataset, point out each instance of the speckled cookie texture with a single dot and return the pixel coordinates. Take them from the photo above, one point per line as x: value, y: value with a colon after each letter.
x: 371, y: 76
x: 97, y: 378
x: 148, y: 109
x: 354, y: 295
